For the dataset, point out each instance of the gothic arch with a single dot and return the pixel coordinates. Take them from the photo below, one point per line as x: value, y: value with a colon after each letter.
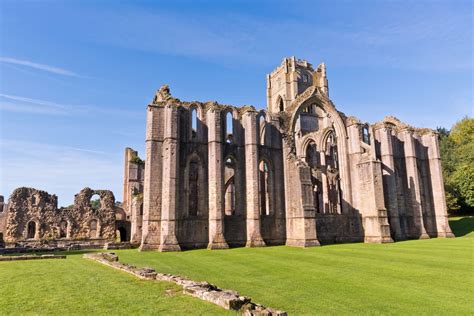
x: 340, y: 132
x: 194, y: 206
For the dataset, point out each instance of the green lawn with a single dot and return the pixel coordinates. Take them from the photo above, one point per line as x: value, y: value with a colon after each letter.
x: 83, y: 287
x: 413, y: 277
x: 433, y: 276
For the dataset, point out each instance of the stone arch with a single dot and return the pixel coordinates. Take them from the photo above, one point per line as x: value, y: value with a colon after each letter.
x: 229, y: 118
x: 280, y: 104
x: 266, y: 181
x: 94, y: 228
x: 230, y: 187
x: 262, y: 123
x: 193, y: 118
x: 341, y: 136
x: 32, y: 228
x: 63, y: 229
x: 194, y: 183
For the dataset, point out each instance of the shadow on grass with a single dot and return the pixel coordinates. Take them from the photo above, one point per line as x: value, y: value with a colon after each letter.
x: 463, y: 226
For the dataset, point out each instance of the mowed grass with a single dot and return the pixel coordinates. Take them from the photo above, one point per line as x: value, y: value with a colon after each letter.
x: 430, y: 277
x: 78, y: 286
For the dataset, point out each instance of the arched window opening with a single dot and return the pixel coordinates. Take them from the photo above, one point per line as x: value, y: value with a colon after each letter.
x: 194, y: 122
x: 63, y: 229
x: 265, y: 188
x: 331, y: 151
x: 229, y: 127
x: 230, y: 197
x: 366, y: 135
x: 31, y: 230
x: 93, y: 229
x: 312, y: 155
x: 282, y: 106
x: 313, y: 160
x: 261, y: 125
x: 141, y: 210
x: 95, y: 201
x: 193, y: 187
x: 332, y: 174
x: 230, y: 192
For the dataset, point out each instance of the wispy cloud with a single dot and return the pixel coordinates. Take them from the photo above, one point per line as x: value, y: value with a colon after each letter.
x: 43, y: 67
x: 36, y: 106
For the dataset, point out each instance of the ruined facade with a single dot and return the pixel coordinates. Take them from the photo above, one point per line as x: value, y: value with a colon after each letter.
x: 32, y: 217
x: 299, y: 173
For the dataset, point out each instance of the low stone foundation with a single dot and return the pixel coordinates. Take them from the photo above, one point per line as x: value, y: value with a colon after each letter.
x: 228, y: 299
x: 31, y: 257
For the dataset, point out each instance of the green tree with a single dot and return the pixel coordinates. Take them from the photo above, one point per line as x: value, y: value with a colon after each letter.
x: 457, y: 154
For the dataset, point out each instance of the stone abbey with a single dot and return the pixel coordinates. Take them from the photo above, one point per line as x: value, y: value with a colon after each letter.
x: 299, y: 173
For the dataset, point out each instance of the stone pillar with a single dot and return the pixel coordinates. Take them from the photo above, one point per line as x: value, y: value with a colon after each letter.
x: 324, y: 182
x: 153, y: 179
x: 437, y: 186
x: 413, y: 179
x: 384, y: 135
x: 216, y: 180
x: 169, y: 194
x: 374, y: 214
x: 254, y: 237
x: 136, y: 219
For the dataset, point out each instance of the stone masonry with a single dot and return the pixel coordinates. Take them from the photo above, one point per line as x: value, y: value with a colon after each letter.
x: 299, y: 173
x: 32, y: 218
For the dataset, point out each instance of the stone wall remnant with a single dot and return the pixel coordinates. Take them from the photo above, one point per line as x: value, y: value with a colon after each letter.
x: 299, y: 173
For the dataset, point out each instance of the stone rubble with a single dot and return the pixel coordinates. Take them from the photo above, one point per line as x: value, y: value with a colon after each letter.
x: 228, y: 299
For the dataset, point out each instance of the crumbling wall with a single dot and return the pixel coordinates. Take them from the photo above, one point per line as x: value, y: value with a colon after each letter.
x: 33, y: 215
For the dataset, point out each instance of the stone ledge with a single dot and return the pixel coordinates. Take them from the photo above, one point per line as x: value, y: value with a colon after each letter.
x: 31, y: 257
x: 228, y: 299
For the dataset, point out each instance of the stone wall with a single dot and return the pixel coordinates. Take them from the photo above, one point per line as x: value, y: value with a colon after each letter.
x: 33, y: 217
x: 298, y: 173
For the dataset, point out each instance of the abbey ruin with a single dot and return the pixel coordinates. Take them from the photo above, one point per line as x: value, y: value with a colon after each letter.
x: 299, y: 173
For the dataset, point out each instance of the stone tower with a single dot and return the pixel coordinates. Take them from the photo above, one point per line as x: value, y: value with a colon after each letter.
x: 290, y: 79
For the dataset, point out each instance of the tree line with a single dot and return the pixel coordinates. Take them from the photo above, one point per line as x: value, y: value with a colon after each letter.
x: 457, y: 158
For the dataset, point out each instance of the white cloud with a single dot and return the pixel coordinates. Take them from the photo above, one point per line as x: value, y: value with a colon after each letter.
x: 43, y: 67
x: 36, y: 106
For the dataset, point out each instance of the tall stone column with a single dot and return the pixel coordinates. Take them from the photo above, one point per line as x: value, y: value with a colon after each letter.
x: 324, y: 182
x: 216, y: 180
x: 414, y: 185
x: 254, y: 237
x: 437, y: 185
x: 153, y: 179
x: 384, y: 135
x: 169, y: 241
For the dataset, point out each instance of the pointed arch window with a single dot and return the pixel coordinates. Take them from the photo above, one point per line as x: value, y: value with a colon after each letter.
x: 229, y: 123
x: 194, y: 122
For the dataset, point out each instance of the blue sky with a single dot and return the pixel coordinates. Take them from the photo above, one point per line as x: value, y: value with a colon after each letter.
x: 76, y: 76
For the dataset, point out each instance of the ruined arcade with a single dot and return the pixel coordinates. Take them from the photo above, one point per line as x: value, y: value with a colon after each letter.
x: 299, y: 173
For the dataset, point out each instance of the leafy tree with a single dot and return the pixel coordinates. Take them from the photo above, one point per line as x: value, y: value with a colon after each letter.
x: 95, y: 204
x: 457, y: 154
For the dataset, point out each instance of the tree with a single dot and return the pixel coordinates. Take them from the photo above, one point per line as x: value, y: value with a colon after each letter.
x: 457, y: 154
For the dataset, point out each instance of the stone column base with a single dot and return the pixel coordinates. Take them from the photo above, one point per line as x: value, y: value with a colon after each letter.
x: 149, y: 247
x: 302, y: 242
x: 255, y: 242
x: 169, y: 243
x: 446, y: 235
x: 218, y: 242
x: 377, y: 239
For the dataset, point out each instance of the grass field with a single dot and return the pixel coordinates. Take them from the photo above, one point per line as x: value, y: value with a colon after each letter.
x: 433, y: 276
